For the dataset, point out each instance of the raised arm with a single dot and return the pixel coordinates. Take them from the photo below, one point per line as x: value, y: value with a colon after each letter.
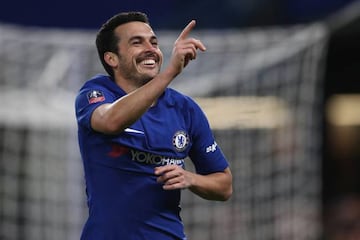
x: 115, y: 117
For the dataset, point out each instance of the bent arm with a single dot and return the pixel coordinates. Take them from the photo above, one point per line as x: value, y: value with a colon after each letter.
x: 115, y: 117
x: 215, y: 186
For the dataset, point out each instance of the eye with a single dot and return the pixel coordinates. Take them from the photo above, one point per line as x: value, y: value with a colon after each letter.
x: 154, y: 43
x: 136, y: 42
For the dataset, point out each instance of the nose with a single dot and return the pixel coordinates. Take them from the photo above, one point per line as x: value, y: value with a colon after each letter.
x: 150, y: 46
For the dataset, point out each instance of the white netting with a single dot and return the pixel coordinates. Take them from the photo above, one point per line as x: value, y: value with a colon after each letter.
x: 263, y: 99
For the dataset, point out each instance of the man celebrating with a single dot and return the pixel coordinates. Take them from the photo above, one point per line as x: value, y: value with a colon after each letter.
x: 135, y: 135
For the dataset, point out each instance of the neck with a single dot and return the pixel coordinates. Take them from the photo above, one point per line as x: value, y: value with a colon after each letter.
x: 126, y: 85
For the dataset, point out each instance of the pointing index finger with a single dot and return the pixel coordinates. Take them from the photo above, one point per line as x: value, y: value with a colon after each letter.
x: 185, y: 32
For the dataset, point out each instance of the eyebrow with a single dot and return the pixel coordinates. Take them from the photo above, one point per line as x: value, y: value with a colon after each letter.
x: 138, y: 37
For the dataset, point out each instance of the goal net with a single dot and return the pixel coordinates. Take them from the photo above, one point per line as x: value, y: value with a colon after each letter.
x: 260, y: 88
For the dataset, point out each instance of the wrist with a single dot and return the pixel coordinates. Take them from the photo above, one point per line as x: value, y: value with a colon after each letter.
x: 171, y: 71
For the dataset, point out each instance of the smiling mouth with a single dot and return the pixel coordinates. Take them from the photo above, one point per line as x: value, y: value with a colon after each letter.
x: 148, y: 62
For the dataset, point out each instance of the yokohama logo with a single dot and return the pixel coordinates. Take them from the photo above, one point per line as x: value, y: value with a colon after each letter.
x: 149, y: 158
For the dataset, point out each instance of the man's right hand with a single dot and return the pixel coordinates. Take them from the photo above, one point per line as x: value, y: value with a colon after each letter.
x: 185, y: 49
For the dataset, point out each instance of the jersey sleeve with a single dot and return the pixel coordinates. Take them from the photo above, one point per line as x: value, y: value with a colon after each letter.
x: 88, y: 99
x: 206, y: 155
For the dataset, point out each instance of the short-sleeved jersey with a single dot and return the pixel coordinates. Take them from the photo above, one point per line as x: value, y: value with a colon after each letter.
x: 125, y: 201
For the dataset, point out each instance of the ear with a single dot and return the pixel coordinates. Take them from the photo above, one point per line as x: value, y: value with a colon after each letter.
x: 111, y: 59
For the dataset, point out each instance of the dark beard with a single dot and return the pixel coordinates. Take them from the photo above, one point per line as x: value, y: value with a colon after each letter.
x: 131, y: 73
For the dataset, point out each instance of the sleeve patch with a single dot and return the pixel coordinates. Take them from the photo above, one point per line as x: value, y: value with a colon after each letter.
x: 95, y: 96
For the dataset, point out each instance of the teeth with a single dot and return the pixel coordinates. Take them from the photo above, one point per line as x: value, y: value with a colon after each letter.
x: 149, y: 62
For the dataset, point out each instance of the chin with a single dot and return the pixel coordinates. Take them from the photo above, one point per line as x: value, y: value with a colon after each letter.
x: 147, y: 79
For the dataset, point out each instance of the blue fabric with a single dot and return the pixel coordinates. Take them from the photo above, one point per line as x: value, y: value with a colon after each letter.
x: 125, y: 201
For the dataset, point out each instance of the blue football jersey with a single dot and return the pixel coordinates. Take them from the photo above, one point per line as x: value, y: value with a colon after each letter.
x: 125, y: 201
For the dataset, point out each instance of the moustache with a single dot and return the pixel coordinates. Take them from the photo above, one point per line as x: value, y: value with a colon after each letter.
x: 149, y: 55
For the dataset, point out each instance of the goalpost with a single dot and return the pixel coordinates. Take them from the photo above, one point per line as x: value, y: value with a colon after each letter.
x: 261, y: 89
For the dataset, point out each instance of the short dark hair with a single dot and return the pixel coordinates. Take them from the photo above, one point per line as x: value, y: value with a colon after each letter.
x: 106, y: 40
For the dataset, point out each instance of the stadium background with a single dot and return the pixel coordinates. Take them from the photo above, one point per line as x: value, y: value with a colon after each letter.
x: 295, y: 46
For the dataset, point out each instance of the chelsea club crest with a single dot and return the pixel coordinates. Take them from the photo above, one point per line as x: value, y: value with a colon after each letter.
x: 180, y: 140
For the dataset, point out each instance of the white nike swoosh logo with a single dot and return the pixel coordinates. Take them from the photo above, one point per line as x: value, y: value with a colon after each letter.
x: 130, y: 130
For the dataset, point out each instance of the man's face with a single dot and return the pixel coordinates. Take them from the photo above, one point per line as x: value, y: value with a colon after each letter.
x: 139, y: 55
